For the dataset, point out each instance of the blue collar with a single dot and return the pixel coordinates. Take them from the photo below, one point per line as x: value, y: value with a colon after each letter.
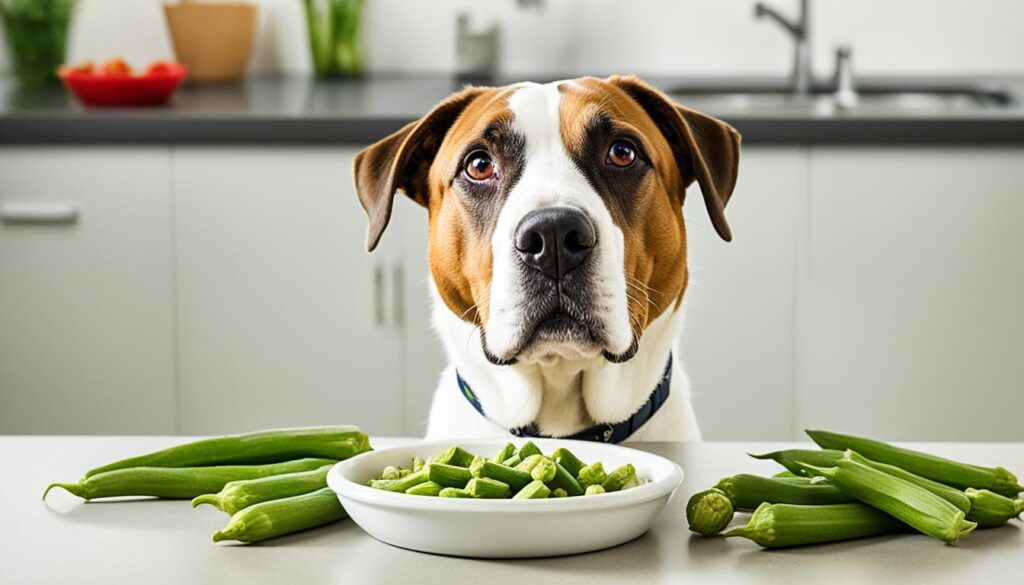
x: 602, y: 433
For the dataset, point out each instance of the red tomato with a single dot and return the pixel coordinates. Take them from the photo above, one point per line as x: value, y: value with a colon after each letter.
x: 116, y: 67
x: 159, y: 68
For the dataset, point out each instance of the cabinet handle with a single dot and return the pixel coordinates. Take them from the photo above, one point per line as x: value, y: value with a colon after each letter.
x: 397, y: 294
x: 378, y: 294
x: 58, y: 213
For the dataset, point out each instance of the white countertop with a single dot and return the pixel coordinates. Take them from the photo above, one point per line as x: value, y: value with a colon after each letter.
x: 65, y: 541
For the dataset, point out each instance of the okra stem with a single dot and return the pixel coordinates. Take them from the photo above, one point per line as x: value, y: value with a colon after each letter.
x: 990, y: 509
x: 791, y: 458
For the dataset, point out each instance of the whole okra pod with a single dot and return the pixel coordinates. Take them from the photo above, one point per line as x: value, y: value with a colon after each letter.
x: 911, y: 503
x: 177, y: 482
x: 285, y: 516
x: 782, y: 525
x: 237, y: 495
x: 334, y: 443
x: 942, y: 470
x: 748, y: 492
x: 708, y: 512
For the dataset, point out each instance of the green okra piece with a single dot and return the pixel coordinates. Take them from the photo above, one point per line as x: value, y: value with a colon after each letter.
x: 592, y: 474
x: 708, y: 512
x: 285, y: 516
x: 593, y: 490
x: 990, y: 509
x: 950, y: 494
x: 952, y: 473
x: 403, y: 483
x: 528, y: 449
x: 566, y: 459
x: 533, y: 491
x: 908, y: 502
x: 633, y: 482
x: 404, y: 472
x: 427, y: 488
x: 791, y: 458
x: 448, y: 475
x: 238, y: 495
x: 450, y: 492
x: 563, y: 479
x: 748, y: 492
x: 417, y: 463
x: 512, y: 461
x: 444, y: 457
x: 544, y: 470
x: 786, y: 474
x: 559, y: 493
x: 390, y: 472
x: 507, y: 451
x: 783, y: 525
x: 515, y: 479
x: 275, y: 446
x: 485, y: 487
x: 474, y: 467
x: 177, y: 482
x: 461, y: 457
x: 616, y: 479
x: 530, y: 462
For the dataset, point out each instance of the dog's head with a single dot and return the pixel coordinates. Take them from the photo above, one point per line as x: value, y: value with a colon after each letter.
x: 555, y: 210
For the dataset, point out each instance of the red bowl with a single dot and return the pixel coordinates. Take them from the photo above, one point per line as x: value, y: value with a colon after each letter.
x: 125, y: 90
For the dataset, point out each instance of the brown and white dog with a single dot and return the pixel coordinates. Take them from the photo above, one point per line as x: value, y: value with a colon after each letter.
x: 557, y: 247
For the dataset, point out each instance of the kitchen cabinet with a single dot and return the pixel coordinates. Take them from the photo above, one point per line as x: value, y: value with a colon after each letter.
x: 911, y: 324
x: 284, y: 318
x: 86, y: 295
x: 738, y: 338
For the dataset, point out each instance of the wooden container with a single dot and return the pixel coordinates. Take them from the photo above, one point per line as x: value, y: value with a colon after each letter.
x: 213, y: 39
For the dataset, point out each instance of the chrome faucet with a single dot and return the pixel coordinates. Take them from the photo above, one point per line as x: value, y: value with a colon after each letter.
x: 799, y: 29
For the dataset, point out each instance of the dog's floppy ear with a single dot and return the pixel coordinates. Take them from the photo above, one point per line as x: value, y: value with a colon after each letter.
x: 706, y: 149
x: 402, y: 161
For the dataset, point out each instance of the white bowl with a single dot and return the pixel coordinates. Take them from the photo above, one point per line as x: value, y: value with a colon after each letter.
x: 505, y: 528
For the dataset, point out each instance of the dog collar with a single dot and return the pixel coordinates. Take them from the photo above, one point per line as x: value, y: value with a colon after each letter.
x: 602, y: 433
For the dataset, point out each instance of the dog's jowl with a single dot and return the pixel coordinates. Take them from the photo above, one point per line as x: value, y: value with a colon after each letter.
x: 557, y: 252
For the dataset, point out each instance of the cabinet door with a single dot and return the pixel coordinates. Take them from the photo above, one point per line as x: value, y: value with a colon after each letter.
x: 86, y: 304
x: 912, y: 324
x: 738, y: 327
x: 285, y: 318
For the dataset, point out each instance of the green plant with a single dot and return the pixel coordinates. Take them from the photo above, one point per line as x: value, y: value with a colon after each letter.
x: 36, y: 32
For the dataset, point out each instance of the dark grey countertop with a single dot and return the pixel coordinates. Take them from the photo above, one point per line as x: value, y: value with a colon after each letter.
x: 357, y: 111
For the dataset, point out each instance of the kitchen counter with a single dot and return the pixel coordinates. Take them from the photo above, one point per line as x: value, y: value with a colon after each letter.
x: 303, y: 111
x: 64, y: 540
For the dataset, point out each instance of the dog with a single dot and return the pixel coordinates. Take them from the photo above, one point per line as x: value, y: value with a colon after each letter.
x: 557, y: 252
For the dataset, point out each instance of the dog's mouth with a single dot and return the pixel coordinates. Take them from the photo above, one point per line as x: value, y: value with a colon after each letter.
x: 562, y: 331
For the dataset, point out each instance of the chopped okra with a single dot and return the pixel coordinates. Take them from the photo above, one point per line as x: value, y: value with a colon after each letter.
x: 523, y: 473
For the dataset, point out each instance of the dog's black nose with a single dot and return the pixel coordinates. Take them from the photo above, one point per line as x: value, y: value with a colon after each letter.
x: 555, y: 240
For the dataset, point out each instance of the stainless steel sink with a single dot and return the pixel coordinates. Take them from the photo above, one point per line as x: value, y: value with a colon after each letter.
x: 883, y: 101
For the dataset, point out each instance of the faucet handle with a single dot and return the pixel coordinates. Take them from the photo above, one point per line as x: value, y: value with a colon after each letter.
x: 846, y: 89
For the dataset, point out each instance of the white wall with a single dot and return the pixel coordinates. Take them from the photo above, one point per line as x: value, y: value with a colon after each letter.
x: 603, y: 36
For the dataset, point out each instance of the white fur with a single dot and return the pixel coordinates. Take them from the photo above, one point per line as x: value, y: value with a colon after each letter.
x: 562, y: 388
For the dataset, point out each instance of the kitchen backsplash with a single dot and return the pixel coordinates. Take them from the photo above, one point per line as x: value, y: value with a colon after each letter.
x: 601, y: 36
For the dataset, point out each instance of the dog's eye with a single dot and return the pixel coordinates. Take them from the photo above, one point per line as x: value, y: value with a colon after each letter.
x: 621, y: 153
x: 479, y: 166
